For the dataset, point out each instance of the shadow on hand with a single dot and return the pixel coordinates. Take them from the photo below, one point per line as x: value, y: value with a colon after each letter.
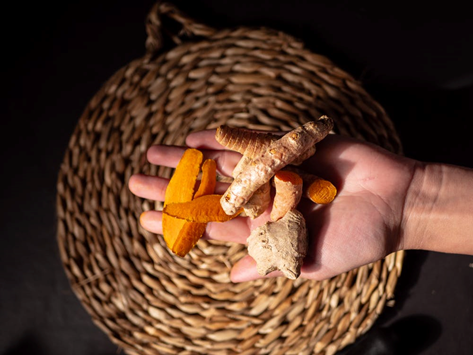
x: 407, y: 336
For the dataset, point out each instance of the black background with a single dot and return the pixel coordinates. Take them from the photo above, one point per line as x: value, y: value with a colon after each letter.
x: 415, y: 58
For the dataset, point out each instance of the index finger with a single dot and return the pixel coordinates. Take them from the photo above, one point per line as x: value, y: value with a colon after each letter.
x: 204, y: 140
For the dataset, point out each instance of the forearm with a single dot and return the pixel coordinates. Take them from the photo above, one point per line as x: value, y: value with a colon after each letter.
x: 438, y: 213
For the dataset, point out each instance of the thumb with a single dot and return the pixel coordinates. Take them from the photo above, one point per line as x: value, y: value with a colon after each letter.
x: 245, y: 270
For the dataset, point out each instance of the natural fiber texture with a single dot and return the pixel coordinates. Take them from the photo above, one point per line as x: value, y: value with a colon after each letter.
x: 144, y: 298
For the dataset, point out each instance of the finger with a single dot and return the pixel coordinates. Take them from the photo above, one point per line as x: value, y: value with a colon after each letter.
x: 171, y: 155
x: 152, y: 221
x: 149, y: 187
x: 235, y: 230
x: 154, y: 187
x: 204, y: 140
x: 165, y: 155
x: 245, y: 270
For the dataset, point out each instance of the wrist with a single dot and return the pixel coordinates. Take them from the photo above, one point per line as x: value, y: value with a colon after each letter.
x: 437, y: 210
x: 416, y: 208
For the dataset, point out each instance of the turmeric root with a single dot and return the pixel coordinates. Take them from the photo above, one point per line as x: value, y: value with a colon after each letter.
x: 259, y: 202
x: 288, y: 193
x: 280, y: 245
x: 180, y: 189
x: 278, y: 154
x: 191, y: 232
x: 244, y: 161
x: 249, y: 143
x: 203, y: 209
x: 252, y: 144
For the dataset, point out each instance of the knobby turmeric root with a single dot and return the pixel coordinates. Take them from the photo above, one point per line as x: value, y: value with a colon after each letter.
x: 201, y: 210
x: 278, y: 154
x: 259, y: 202
x: 280, y: 245
x: 252, y: 144
x: 249, y: 143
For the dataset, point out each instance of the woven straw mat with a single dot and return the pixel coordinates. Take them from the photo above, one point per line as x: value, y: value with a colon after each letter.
x: 144, y: 298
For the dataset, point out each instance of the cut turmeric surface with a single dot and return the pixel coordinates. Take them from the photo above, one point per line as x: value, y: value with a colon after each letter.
x: 180, y: 189
x: 209, y: 179
x: 317, y: 189
x: 189, y: 235
x: 202, y: 210
x: 191, y: 232
x: 321, y: 191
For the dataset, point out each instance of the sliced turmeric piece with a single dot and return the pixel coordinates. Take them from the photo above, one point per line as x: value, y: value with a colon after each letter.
x: 180, y: 189
x: 317, y: 189
x: 321, y: 191
x: 191, y: 232
x: 202, y: 210
x: 188, y: 237
x: 209, y: 179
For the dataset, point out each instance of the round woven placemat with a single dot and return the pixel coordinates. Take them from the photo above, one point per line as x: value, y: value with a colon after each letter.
x: 151, y: 302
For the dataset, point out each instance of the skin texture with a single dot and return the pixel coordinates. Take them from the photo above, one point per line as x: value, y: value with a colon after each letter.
x: 385, y: 203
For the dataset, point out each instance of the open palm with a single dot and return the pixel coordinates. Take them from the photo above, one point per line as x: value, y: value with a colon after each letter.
x: 363, y: 224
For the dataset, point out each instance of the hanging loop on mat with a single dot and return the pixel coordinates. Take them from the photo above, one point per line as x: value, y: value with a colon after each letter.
x: 155, y: 28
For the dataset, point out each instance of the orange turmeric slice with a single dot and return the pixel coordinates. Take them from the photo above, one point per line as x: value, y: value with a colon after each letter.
x: 321, y: 191
x: 315, y: 188
x: 188, y: 237
x: 209, y: 179
x: 202, y: 210
x: 191, y: 232
x: 180, y: 189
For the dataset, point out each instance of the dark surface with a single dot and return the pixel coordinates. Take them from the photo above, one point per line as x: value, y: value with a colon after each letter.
x: 416, y: 60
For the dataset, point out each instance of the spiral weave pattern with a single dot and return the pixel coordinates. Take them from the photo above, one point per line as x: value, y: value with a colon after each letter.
x: 151, y: 302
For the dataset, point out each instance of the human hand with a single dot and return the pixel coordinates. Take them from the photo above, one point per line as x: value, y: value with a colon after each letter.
x: 363, y: 224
